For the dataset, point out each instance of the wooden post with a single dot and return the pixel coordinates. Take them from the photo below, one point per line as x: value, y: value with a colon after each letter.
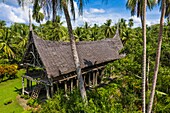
x: 52, y: 89
x: 65, y: 86
x: 47, y: 92
x: 77, y: 82
x: 89, y: 79
x: 97, y: 74
x: 94, y: 78
x: 57, y: 86
x: 84, y: 78
x: 71, y: 85
x: 22, y: 85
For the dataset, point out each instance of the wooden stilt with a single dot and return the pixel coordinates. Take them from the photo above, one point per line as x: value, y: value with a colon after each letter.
x: 71, y: 85
x: 97, y: 74
x: 77, y: 82
x: 94, y: 78
x: 47, y: 92
x: 22, y: 85
x: 65, y: 86
x: 52, y: 90
x: 89, y: 74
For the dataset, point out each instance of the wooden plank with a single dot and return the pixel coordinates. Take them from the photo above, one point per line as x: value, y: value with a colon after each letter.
x: 68, y: 78
x: 72, y: 75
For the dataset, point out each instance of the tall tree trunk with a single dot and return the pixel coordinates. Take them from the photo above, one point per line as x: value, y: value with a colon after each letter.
x: 143, y: 20
x: 158, y: 53
x: 75, y: 54
x: 54, y: 10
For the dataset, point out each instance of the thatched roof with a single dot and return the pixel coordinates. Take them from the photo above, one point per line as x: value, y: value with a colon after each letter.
x: 57, y: 57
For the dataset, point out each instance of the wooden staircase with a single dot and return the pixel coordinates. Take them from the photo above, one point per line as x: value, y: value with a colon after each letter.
x: 36, y: 91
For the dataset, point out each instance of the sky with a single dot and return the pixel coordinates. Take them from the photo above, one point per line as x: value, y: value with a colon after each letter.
x: 95, y: 12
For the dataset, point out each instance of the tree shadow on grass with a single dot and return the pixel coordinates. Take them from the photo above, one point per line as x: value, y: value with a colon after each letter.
x: 8, y: 78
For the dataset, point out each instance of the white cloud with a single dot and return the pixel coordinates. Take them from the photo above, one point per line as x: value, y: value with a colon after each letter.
x: 95, y: 10
x: 12, y: 14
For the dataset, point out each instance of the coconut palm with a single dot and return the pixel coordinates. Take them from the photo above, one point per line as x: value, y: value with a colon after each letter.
x: 108, y: 31
x: 6, y: 44
x: 139, y: 7
x: 96, y: 33
x: 131, y: 23
x: 62, y: 5
x: 165, y: 4
x: 53, y: 30
x: 37, y: 15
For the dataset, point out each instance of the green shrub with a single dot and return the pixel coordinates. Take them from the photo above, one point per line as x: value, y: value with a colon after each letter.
x: 99, y: 101
x: 33, y: 102
x: 8, y: 70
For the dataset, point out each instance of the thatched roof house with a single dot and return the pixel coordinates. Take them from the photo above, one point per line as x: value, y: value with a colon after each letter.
x: 57, y: 60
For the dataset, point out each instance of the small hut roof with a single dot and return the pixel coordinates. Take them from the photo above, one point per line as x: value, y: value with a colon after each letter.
x: 57, y: 57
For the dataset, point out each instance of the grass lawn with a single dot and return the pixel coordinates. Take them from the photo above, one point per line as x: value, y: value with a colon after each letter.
x: 8, y: 91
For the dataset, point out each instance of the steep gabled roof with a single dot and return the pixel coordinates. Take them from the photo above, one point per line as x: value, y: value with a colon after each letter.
x: 57, y: 57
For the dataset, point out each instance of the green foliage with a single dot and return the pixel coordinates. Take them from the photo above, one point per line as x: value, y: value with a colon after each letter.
x: 33, y: 102
x: 108, y: 99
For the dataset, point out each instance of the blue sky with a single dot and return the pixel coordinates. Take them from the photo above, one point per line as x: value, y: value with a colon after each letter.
x: 94, y: 12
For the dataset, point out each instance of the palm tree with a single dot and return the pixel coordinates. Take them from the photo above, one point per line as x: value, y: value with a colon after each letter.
x: 165, y: 4
x: 122, y: 26
x: 74, y: 51
x: 96, y: 33
x: 6, y: 44
x: 37, y: 15
x: 131, y: 23
x: 108, y: 31
x: 53, y: 30
x: 140, y: 5
x: 63, y: 5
